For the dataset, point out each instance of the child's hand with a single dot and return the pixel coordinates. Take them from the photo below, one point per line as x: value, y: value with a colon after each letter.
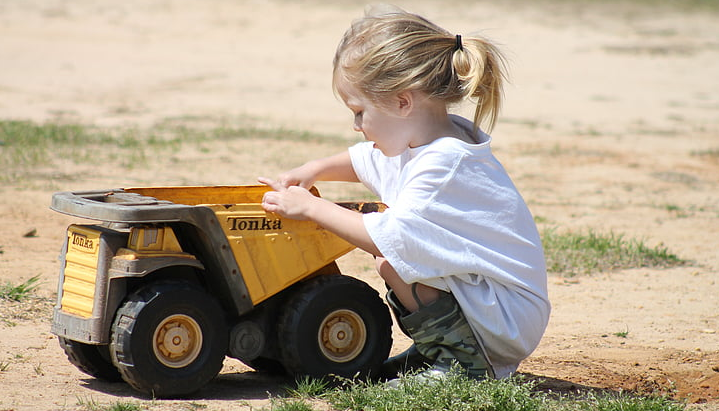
x: 290, y: 202
x: 303, y: 176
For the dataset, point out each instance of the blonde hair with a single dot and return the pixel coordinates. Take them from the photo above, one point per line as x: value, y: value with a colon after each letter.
x: 391, y: 51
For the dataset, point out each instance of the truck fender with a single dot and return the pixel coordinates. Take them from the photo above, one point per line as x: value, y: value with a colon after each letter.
x: 123, y: 268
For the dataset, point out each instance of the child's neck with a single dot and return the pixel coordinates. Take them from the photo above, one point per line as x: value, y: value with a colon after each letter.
x: 431, y: 123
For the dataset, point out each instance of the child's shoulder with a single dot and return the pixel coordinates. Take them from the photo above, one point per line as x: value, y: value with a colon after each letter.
x: 451, y: 147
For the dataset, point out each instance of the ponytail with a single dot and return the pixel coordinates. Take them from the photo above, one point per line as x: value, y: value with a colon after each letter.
x: 480, y: 69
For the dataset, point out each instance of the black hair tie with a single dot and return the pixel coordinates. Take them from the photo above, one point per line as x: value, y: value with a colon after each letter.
x: 458, y: 45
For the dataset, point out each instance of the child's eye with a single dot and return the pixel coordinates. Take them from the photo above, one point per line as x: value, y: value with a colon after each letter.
x: 359, y: 114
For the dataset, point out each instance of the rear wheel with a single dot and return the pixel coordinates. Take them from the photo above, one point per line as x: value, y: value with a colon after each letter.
x: 93, y: 360
x: 335, y: 325
x: 169, y: 339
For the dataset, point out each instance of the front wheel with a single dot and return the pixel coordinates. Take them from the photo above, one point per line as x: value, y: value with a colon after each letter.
x: 169, y: 339
x: 93, y: 360
x: 335, y: 324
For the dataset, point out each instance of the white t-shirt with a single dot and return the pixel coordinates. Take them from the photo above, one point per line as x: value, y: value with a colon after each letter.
x: 456, y: 222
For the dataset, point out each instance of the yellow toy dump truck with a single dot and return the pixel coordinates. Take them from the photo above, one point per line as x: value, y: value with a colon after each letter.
x: 173, y: 279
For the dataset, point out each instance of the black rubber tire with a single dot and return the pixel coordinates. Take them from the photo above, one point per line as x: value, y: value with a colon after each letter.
x: 335, y: 308
x: 158, y: 319
x: 93, y: 360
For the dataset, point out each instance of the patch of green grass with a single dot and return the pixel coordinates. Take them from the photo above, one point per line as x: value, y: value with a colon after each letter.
x: 676, y: 210
x: 457, y: 392
x: 89, y: 404
x: 625, y: 402
x: 28, y: 143
x: 21, y: 291
x: 92, y: 404
x: 289, y: 404
x: 299, y: 397
x: 26, y: 146
x: 710, y: 154
x: 570, y: 253
x: 676, y: 177
x: 622, y: 334
x: 124, y: 406
x: 307, y: 387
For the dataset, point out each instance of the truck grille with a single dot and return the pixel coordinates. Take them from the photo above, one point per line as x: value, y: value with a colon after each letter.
x: 78, y: 288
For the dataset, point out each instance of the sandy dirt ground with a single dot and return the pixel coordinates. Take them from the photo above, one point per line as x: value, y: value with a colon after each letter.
x: 611, y: 123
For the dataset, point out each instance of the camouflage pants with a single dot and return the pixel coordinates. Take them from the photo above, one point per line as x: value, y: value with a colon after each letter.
x: 442, y: 334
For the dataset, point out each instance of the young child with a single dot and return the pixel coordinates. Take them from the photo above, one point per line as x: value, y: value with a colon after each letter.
x: 457, y: 246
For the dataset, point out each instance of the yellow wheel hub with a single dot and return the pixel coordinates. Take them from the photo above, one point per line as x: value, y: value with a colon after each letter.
x: 177, y: 341
x: 342, y: 336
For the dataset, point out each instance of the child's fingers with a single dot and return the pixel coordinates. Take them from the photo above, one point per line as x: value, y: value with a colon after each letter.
x: 269, y: 202
x: 275, y: 185
x: 270, y: 208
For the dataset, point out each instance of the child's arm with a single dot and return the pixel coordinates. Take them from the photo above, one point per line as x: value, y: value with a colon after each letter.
x: 334, y: 168
x: 299, y: 204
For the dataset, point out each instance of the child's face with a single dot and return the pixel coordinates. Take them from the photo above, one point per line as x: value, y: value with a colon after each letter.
x: 386, y: 127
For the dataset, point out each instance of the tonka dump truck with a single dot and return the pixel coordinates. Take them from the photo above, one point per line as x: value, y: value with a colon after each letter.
x: 173, y: 279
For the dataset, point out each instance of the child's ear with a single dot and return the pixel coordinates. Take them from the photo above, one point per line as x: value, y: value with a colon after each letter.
x: 405, y: 103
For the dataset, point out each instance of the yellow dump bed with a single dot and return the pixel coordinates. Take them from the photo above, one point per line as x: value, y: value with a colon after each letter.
x: 270, y: 252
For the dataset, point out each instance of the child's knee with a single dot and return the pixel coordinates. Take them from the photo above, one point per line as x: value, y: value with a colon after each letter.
x: 385, y: 270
